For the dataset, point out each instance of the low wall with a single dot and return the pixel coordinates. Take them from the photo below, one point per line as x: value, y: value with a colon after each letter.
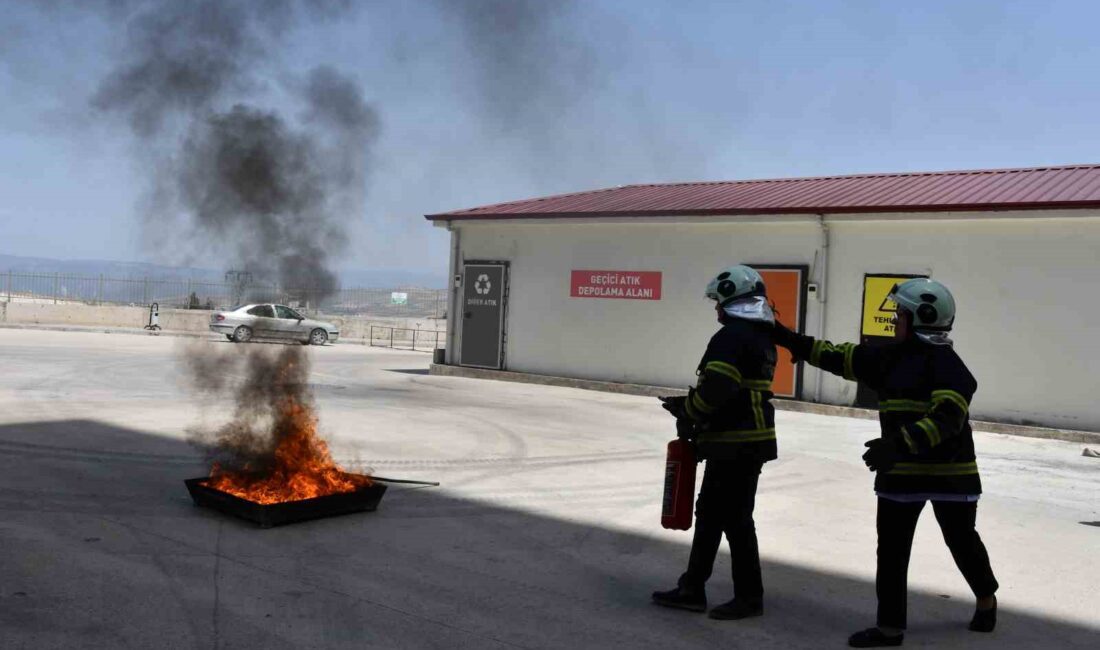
x: 181, y: 320
x: 198, y: 320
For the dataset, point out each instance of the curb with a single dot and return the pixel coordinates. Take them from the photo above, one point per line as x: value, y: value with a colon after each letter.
x: 1045, y: 433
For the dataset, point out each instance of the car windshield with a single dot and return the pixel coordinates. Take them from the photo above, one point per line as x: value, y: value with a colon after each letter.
x: 286, y: 312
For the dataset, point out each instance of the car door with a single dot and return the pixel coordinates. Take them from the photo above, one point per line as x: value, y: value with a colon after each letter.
x: 263, y: 321
x: 290, y: 323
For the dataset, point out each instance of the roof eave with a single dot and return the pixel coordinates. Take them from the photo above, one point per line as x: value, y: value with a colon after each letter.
x: 728, y: 212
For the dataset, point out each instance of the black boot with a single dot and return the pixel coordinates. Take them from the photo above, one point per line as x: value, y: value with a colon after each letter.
x: 737, y: 609
x: 693, y: 600
x: 873, y: 637
x: 984, y: 619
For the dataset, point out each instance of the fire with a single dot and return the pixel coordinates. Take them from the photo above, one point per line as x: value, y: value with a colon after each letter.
x: 300, y: 466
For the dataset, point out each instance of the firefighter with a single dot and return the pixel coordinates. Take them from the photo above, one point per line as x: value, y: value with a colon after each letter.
x: 729, y: 416
x: 925, y: 453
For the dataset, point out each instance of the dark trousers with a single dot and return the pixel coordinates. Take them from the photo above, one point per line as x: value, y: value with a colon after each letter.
x: 725, y: 505
x: 896, y: 523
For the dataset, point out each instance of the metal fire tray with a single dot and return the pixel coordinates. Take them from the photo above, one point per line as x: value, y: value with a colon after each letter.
x: 276, y: 514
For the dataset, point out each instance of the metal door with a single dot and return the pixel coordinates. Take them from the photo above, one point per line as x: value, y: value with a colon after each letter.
x: 263, y: 321
x: 289, y: 324
x: 483, y: 296
x: 786, y: 285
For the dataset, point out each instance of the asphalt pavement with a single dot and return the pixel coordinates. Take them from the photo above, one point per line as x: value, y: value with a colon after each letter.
x: 544, y: 533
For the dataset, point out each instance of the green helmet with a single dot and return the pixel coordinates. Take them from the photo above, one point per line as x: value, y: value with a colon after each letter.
x: 932, y: 305
x: 735, y: 282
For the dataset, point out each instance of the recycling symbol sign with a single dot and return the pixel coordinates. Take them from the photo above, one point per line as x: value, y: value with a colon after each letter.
x: 482, y: 286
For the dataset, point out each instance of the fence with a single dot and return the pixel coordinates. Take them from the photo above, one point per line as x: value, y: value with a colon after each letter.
x: 405, y: 338
x: 60, y: 288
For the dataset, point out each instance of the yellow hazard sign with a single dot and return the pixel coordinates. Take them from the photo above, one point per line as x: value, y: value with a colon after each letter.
x: 879, y: 312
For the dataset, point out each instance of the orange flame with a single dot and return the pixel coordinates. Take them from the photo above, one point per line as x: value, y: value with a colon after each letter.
x: 303, y: 468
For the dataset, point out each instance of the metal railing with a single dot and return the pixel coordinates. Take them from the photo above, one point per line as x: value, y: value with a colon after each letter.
x: 69, y: 288
x: 406, y: 338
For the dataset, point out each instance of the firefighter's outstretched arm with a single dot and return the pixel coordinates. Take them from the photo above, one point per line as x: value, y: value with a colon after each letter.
x: 848, y: 360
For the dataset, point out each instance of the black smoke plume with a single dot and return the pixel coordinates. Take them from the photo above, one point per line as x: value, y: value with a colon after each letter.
x: 261, y: 381
x: 274, y: 196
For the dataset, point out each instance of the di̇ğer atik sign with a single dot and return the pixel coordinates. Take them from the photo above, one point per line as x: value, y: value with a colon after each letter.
x: 627, y: 285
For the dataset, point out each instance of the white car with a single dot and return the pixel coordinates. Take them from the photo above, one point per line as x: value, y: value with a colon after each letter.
x: 266, y: 321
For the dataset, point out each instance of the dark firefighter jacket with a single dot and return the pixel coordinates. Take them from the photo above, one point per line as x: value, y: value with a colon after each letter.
x: 924, y: 393
x: 731, y: 403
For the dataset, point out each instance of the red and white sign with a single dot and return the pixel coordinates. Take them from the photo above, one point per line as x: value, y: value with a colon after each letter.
x: 627, y: 285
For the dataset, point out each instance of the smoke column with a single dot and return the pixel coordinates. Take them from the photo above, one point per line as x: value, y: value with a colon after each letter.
x: 247, y: 442
x: 274, y: 196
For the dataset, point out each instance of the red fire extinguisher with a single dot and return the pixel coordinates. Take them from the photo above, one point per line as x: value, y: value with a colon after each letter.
x: 679, y: 485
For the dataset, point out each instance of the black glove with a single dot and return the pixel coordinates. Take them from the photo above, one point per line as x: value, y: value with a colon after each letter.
x: 675, y: 405
x: 882, y: 454
x: 784, y: 337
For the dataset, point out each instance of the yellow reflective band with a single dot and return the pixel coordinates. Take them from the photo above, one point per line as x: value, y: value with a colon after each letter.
x: 931, y: 430
x: 934, y: 469
x: 903, y: 405
x: 849, y: 351
x: 815, y: 352
x: 691, y: 411
x: 757, y: 384
x: 700, y: 403
x: 758, y: 412
x: 909, y: 441
x: 753, y: 435
x: 951, y: 396
x: 723, y: 368
x: 823, y: 347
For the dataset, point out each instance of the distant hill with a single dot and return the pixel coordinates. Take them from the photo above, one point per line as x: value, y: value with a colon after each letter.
x: 366, y: 278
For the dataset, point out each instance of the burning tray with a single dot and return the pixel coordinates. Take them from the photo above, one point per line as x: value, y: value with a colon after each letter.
x: 364, y: 499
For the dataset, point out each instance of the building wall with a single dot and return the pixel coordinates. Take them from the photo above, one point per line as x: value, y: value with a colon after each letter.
x: 1022, y: 282
x: 637, y: 341
x: 1023, y: 287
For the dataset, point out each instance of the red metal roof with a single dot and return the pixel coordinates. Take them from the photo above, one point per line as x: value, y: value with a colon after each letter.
x: 1075, y: 186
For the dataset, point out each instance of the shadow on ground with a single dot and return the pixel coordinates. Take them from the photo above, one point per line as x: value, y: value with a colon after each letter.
x: 104, y: 549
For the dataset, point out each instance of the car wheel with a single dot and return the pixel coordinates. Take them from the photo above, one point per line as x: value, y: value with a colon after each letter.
x: 318, y: 337
x: 242, y: 334
x: 229, y: 336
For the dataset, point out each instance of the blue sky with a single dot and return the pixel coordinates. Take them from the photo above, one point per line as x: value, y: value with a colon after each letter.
x: 475, y: 109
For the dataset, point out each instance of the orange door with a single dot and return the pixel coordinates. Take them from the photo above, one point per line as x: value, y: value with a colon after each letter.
x: 786, y: 292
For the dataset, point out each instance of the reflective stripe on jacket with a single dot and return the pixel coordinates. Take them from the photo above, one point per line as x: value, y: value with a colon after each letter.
x: 732, y: 399
x: 924, y: 393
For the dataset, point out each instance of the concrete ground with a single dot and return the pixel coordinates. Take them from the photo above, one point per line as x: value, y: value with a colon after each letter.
x: 544, y: 534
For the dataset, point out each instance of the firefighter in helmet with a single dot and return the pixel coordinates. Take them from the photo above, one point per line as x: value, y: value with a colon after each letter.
x: 730, y: 418
x: 925, y: 453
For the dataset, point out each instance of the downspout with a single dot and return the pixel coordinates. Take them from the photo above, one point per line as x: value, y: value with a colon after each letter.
x: 822, y: 296
x: 454, y: 304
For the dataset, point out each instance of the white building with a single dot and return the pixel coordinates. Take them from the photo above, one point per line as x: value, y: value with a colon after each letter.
x: 608, y: 284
